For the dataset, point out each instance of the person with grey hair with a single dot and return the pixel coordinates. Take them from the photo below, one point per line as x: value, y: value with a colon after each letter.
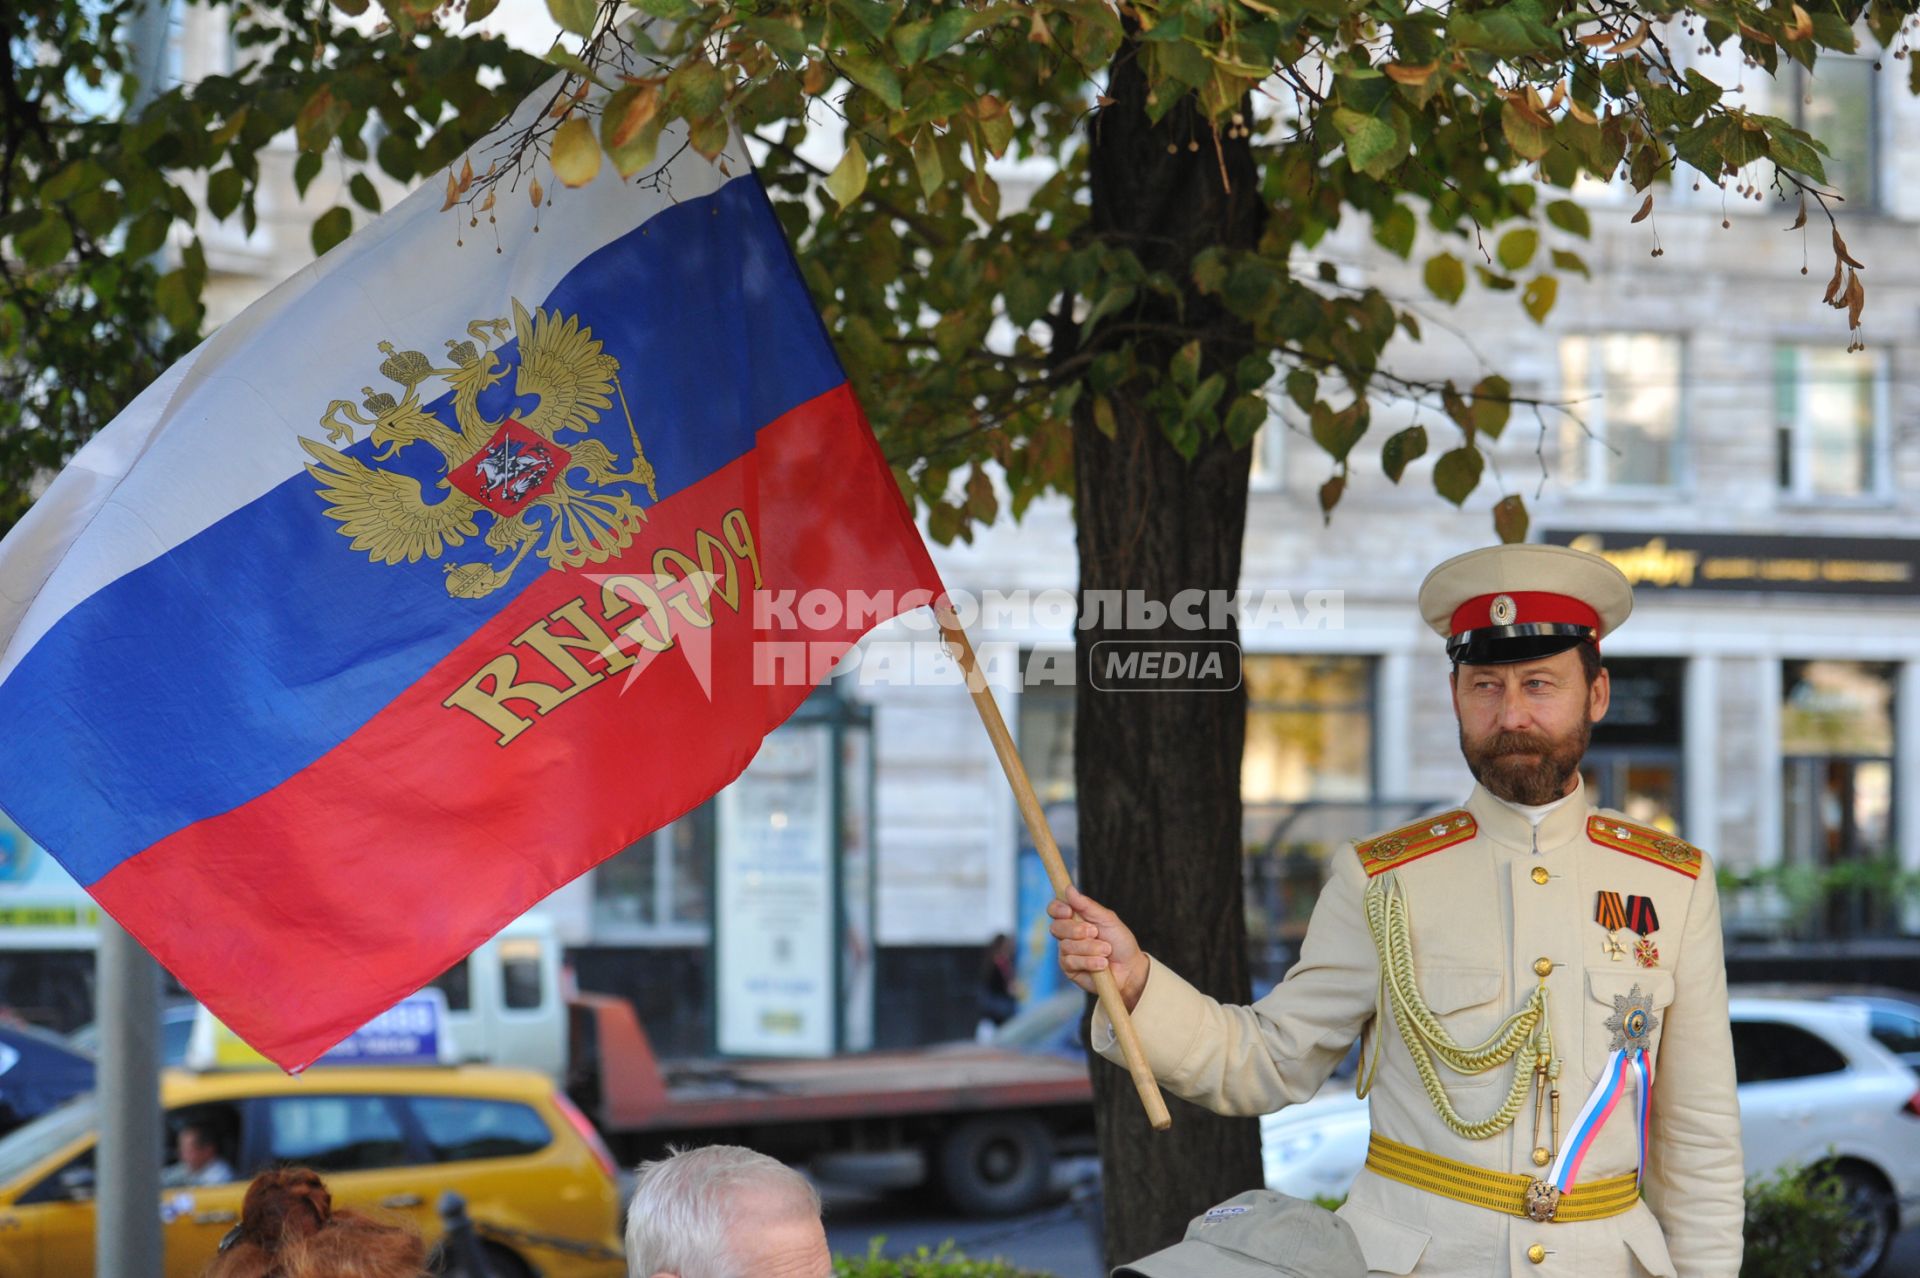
x: 724, y: 1212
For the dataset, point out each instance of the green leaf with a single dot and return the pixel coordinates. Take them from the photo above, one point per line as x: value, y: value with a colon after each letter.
x: 1528, y: 137
x: 1446, y: 277
x: 1401, y: 448
x: 224, y: 189
x: 1510, y: 519
x: 1394, y: 231
x: 871, y: 74
x: 1185, y: 368
x: 1339, y: 432
x: 75, y: 178
x: 1517, y: 247
x: 1457, y: 473
x: 1539, y: 297
x: 147, y: 233
x: 849, y: 177
x: 673, y: 10
x: 46, y: 242
x: 331, y: 227
x: 178, y: 306
x: 696, y: 88
x: 951, y: 27
x: 1245, y: 416
x: 477, y: 10
x: 1374, y: 146
x: 574, y: 15
x: 360, y: 187
x: 1103, y: 418
x: 926, y: 160
x: 1303, y: 387
x: 1573, y: 262
x: 873, y: 15
x: 1570, y: 217
x: 352, y: 8
x: 1509, y: 28
x: 305, y: 169
x: 320, y: 120
x: 1492, y: 406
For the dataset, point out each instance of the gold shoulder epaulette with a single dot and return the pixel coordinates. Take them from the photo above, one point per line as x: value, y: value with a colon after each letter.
x: 1646, y: 843
x: 1395, y: 848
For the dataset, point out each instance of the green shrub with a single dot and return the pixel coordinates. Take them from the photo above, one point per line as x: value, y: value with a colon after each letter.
x: 1797, y: 1226
x: 944, y: 1263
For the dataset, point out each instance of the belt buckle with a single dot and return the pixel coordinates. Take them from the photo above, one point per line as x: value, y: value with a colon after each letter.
x: 1543, y: 1200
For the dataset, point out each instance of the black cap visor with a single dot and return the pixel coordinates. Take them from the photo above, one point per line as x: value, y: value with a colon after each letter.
x: 1503, y: 645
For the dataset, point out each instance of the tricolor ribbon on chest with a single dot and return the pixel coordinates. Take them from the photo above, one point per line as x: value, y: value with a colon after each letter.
x: 1633, y: 1025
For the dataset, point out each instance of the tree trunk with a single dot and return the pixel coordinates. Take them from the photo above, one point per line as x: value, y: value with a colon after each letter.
x: 1158, y: 773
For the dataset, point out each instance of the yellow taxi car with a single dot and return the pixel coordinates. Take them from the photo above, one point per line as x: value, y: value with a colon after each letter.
x: 538, y: 1182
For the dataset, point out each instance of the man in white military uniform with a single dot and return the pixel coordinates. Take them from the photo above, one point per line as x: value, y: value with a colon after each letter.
x: 1539, y: 982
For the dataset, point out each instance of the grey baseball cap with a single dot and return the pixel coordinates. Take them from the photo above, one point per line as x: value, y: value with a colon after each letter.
x: 1258, y: 1234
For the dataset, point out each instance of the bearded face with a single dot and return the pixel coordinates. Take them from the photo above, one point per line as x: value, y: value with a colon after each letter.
x: 1525, y: 726
x: 1529, y: 768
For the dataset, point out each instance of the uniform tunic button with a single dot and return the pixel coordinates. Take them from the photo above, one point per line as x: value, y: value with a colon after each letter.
x: 1540, y: 874
x: 1537, y: 1254
x: 1543, y: 967
x: 1540, y: 1156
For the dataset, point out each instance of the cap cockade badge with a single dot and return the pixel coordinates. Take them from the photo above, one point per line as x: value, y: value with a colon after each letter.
x: 1633, y: 1022
x: 1503, y: 610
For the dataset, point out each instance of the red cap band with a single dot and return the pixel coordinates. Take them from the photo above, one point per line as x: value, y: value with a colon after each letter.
x: 1529, y: 607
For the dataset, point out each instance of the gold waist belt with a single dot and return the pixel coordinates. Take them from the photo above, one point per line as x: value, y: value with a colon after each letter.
x: 1505, y: 1192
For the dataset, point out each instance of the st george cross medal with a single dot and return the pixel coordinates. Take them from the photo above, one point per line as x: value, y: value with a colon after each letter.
x: 1610, y: 913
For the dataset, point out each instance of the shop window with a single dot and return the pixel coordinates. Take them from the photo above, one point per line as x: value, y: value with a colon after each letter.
x: 1633, y: 765
x: 1837, y: 747
x: 1830, y: 424
x: 1625, y: 389
x: 658, y: 889
x: 1838, y: 104
x: 1307, y: 778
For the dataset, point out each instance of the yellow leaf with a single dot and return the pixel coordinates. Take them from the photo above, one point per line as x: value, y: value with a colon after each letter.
x: 1037, y: 29
x: 1646, y: 209
x: 1580, y: 113
x: 1596, y: 39
x: 576, y: 153
x: 1400, y: 73
x: 1634, y: 41
x: 534, y: 193
x: 453, y: 191
x: 466, y: 175
x: 1559, y: 95
x: 1802, y: 25
x: 849, y: 177
x: 486, y: 205
x: 640, y: 109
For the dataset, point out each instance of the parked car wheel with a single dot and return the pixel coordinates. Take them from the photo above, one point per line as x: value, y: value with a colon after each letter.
x: 1875, y: 1217
x: 996, y: 1165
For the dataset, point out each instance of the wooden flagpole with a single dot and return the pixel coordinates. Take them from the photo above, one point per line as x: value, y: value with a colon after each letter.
x: 1003, y: 746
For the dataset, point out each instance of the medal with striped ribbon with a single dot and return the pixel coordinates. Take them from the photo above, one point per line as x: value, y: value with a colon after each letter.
x: 1633, y: 1024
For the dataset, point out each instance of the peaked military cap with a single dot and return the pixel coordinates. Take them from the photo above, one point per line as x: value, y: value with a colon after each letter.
x: 1503, y: 604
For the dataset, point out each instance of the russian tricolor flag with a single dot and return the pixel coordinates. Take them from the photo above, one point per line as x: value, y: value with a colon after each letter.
x: 434, y: 579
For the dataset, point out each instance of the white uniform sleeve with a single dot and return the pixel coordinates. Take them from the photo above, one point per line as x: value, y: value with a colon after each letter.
x: 1254, y: 1060
x: 1695, y: 1179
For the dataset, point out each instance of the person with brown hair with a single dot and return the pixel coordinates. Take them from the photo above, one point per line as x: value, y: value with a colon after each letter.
x: 289, y: 1229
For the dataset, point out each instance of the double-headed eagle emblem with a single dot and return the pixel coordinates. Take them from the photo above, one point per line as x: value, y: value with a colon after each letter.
x: 549, y: 488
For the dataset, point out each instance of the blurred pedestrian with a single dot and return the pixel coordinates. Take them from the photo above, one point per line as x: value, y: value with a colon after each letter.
x: 999, y: 986
x: 724, y: 1212
x: 289, y: 1229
